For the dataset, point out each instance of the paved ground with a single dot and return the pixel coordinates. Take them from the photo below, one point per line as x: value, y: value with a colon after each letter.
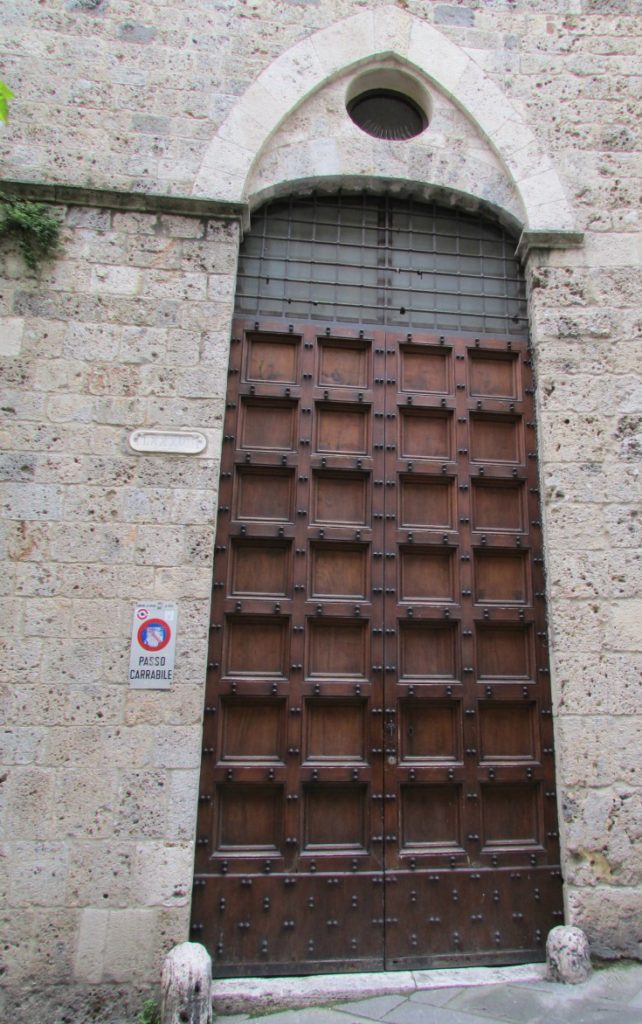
x: 520, y: 995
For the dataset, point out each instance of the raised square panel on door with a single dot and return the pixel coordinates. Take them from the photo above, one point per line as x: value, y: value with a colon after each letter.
x: 430, y: 731
x: 426, y: 503
x: 493, y: 375
x: 338, y: 571
x: 259, y: 568
x: 426, y: 370
x: 501, y: 577
x: 272, y: 358
x: 267, y: 424
x: 342, y: 429
x: 256, y: 646
x: 426, y: 574
x: 430, y: 817
x: 498, y: 506
x: 507, y: 731
x: 252, y: 730
x: 427, y: 651
x: 334, y: 818
x: 504, y: 652
x: 336, y: 649
x: 343, y: 364
x: 340, y: 498
x: 425, y: 434
x: 264, y: 494
x: 334, y: 731
x: 495, y: 439
x: 249, y: 820
x: 510, y: 815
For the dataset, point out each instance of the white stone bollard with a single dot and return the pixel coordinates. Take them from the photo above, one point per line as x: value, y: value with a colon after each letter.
x: 568, y: 957
x: 186, y: 985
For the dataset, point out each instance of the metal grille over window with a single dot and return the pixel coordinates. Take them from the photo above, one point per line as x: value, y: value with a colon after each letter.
x: 381, y: 260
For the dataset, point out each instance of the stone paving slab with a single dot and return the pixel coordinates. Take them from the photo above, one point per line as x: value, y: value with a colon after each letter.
x: 618, y: 982
x: 436, y: 996
x: 592, y: 1013
x: 518, y: 1005
x: 373, y: 1009
x: 423, y: 1013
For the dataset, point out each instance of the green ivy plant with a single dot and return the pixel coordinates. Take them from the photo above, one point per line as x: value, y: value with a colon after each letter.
x: 150, y: 1014
x: 5, y: 96
x: 33, y: 229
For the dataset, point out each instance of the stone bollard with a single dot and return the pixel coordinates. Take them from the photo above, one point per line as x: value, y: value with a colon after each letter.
x: 568, y: 956
x: 186, y: 985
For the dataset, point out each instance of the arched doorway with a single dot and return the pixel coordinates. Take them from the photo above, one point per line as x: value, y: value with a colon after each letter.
x: 377, y: 785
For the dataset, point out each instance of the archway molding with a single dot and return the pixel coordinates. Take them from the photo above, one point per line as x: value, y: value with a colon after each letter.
x: 367, y: 39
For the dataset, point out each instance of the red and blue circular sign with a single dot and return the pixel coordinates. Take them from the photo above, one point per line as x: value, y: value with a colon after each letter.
x: 154, y: 635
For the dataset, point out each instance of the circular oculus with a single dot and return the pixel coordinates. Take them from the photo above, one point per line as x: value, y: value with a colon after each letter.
x: 387, y: 114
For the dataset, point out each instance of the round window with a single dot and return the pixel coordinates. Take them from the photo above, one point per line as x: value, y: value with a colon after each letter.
x: 387, y: 114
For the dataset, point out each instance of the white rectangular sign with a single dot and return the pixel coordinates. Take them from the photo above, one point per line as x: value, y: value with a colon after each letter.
x: 153, y: 646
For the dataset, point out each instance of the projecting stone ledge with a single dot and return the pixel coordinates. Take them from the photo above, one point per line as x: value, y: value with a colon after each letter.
x: 186, y: 985
x: 568, y: 956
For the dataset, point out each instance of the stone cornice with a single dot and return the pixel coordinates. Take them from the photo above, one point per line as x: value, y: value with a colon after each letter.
x: 530, y: 240
x: 131, y: 202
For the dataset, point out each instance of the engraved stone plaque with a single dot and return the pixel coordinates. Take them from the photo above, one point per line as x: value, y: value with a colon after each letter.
x: 175, y: 442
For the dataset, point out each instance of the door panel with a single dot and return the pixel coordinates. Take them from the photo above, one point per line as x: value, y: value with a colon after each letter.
x: 377, y: 785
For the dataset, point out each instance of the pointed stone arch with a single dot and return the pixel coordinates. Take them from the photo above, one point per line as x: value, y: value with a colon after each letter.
x: 354, y: 43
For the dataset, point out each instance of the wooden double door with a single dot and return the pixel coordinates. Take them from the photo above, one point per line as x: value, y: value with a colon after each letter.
x: 377, y: 783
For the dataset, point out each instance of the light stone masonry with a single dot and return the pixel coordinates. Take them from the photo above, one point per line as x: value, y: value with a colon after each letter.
x: 536, y: 117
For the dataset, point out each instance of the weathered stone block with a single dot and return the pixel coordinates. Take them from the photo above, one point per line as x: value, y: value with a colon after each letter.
x: 30, y: 801
x: 100, y: 873
x: 85, y: 802
x: 626, y: 633
x: 39, y: 874
x: 129, y: 952
x: 22, y: 745
x: 610, y: 918
x: 177, y: 747
x: 114, y: 280
x: 11, y: 336
x: 567, y: 955
x: 141, y: 804
x: 47, y: 618
x: 186, y: 985
x: 89, y: 962
x: 163, y: 873
x: 182, y: 804
x: 31, y: 501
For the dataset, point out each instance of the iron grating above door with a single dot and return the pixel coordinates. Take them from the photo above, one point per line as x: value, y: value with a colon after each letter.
x: 380, y: 260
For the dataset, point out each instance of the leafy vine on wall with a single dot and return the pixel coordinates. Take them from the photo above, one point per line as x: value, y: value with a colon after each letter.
x: 33, y: 229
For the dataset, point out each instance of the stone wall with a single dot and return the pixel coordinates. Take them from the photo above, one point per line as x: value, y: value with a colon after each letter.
x: 586, y: 327
x: 129, y: 326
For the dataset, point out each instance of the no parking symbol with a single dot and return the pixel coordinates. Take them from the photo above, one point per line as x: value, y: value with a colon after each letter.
x: 153, y: 644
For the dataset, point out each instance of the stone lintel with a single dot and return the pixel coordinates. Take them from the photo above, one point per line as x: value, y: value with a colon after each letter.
x: 545, y: 239
x: 131, y: 202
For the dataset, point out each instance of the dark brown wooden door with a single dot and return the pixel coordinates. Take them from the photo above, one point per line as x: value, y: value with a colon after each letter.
x: 378, y: 784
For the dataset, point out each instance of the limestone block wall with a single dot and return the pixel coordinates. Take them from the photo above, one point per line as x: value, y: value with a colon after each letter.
x: 111, y: 93
x: 586, y: 331
x: 129, y: 327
